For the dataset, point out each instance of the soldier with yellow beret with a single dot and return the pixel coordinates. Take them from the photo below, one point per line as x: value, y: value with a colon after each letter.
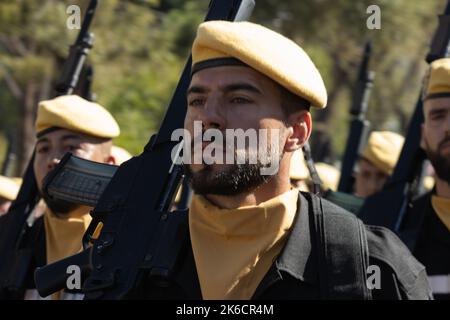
x: 250, y: 233
x: 377, y: 162
x: 9, y: 187
x: 428, y: 222
x: 67, y: 124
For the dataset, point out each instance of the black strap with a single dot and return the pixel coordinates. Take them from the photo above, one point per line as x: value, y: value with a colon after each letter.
x: 315, y: 178
x: 342, y: 249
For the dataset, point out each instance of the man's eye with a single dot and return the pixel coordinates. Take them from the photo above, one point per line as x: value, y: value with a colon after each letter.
x: 366, y: 174
x: 437, y: 116
x: 42, y: 149
x: 240, y: 100
x: 196, y: 102
x: 72, y: 148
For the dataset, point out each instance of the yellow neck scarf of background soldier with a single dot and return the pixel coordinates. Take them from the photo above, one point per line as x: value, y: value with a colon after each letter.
x: 235, y: 248
x: 63, y: 235
x: 442, y: 207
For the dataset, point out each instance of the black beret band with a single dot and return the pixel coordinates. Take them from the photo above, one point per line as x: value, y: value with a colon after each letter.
x: 45, y: 131
x: 217, y: 62
x: 437, y: 95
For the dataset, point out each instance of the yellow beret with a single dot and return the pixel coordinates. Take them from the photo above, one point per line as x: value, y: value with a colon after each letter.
x: 438, y: 80
x: 9, y: 187
x: 383, y: 149
x: 120, y: 154
x: 428, y: 183
x: 74, y: 113
x: 329, y: 176
x: 298, y: 169
x: 264, y: 50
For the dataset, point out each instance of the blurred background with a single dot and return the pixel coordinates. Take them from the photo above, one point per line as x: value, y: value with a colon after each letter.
x: 141, y: 47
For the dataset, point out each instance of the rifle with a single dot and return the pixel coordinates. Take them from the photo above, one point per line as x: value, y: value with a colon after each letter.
x: 389, y: 207
x: 77, y: 54
x: 85, y: 86
x: 359, y: 126
x: 140, y: 239
x: 15, y: 238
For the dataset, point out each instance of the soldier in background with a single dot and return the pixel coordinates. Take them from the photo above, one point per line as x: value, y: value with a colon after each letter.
x: 301, y: 177
x: 66, y: 123
x: 428, y: 222
x: 377, y: 162
x: 9, y: 187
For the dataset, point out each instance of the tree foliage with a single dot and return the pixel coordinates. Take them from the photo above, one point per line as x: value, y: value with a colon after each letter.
x: 141, y: 46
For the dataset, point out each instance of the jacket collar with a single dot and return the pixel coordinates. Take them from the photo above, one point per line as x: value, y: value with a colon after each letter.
x: 297, y: 258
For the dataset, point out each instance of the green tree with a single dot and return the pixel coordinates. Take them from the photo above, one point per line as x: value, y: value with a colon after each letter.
x: 139, y: 50
x: 141, y: 46
x: 333, y: 32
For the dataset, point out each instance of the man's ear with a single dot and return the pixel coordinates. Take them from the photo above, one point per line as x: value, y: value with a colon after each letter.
x: 299, y: 130
x: 422, y: 137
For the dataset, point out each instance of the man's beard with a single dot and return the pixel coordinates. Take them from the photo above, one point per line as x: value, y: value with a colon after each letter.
x: 441, y: 164
x: 235, y: 179
x: 59, y: 207
x: 241, y: 176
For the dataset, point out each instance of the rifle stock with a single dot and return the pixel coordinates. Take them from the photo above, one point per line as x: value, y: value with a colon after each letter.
x: 53, y: 277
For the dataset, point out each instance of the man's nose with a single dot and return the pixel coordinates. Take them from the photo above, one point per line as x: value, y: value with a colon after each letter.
x: 212, y: 116
x: 52, y: 163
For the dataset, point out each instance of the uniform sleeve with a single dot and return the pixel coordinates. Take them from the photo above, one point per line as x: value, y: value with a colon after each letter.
x: 392, y: 286
x: 402, y: 277
x: 421, y: 289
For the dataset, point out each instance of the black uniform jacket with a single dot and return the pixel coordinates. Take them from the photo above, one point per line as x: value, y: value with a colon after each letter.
x: 294, y: 274
x: 429, y: 240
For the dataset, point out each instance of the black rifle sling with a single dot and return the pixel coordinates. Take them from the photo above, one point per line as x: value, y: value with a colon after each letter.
x: 410, y: 229
x: 342, y: 251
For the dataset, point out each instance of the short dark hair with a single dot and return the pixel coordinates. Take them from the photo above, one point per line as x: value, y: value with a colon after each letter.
x: 291, y: 103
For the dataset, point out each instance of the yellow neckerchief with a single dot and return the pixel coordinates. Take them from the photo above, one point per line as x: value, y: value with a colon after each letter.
x: 442, y: 207
x: 234, y: 248
x: 63, y: 235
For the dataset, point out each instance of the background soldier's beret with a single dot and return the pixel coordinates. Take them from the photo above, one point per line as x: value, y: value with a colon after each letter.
x: 329, y: 176
x: 264, y: 50
x: 9, y: 187
x: 298, y: 169
x: 437, y: 82
x: 383, y: 149
x: 74, y: 113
